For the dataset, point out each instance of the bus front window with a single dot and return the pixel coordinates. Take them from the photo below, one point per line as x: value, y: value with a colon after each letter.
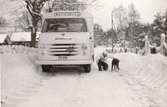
x: 65, y: 25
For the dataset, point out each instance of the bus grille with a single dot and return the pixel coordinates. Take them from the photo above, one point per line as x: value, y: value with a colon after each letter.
x: 63, y: 50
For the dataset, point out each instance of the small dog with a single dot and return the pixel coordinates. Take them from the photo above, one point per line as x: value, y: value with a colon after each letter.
x: 115, y: 64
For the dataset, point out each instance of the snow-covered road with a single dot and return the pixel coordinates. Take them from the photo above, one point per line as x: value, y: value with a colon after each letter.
x: 96, y: 89
x: 141, y: 82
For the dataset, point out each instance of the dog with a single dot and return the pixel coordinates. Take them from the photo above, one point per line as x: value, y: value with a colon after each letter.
x: 115, y: 64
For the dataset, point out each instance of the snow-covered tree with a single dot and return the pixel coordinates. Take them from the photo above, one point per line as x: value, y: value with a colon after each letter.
x: 159, y: 26
x: 119, y: 15
x: 34, y: 7
x: 23, y: 21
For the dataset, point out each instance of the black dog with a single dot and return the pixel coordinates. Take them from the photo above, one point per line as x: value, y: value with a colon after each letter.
x: 115, y: 64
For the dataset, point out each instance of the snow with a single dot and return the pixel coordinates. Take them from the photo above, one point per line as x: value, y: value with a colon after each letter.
x: 2, y: 37
x: 21, y: 36
x: 150, y: 72
x: 141, y: 82
x: 83, y: 91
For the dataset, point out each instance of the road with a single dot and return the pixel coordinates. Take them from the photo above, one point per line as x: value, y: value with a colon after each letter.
x: 73, y: 89
x: 68, y: 87
x: 25, y: 85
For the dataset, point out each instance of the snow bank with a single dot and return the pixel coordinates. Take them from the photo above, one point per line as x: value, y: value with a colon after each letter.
x: 20, y: 74
x: 149, y: 71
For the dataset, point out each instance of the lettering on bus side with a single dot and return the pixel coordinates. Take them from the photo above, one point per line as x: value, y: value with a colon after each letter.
x: 67, y: 14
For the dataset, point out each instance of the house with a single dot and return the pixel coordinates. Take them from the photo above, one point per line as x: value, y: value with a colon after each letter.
x: 21, y: 38
x: 3, y: 38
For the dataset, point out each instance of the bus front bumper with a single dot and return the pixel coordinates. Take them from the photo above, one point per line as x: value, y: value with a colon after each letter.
x: 69, y: 62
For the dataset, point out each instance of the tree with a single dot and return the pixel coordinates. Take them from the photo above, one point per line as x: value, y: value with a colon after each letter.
x: 133, y: 21
x: 133, y: 15
x: 67, y: 5
x: 159, y: 26
x: 34, y: 7
x: 23, y: 22
x: 119, y: 18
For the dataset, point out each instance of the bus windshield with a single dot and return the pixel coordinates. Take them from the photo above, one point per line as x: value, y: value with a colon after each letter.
x: 65, y: 25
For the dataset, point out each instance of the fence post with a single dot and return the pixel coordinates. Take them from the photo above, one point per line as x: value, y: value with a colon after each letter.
x: 162, y: 43
x: 147, y: 48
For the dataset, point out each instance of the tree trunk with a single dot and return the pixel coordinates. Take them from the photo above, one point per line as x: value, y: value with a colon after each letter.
x: 34, y: 32
x: 33, y: 38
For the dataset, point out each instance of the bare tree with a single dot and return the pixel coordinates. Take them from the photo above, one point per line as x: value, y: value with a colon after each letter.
x: 68, y: 5
x: 133, y: 19
x: 120, y: 17
x: 133, y: 15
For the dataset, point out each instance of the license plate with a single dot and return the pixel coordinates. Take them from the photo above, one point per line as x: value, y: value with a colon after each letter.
x: 62, y: 58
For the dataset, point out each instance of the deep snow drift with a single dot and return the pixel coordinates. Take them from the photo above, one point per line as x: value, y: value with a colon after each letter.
x: 141, y: 78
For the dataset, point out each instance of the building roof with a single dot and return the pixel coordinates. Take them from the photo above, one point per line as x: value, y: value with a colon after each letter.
x: 21, y: 36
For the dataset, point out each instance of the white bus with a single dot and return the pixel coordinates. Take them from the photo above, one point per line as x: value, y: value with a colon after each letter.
x: 66, y: 40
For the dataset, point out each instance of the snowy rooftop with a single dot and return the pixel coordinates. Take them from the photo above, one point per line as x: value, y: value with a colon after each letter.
x: 21, y: 36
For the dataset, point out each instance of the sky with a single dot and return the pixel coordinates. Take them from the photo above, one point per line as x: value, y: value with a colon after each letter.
x: 102, y: 9
x: 146, y: 8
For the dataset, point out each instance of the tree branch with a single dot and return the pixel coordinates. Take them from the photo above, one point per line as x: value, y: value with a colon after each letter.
x: 29, y: 10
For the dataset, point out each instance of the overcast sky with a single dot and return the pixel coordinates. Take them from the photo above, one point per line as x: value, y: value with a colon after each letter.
x: 102, y: 9
x: 146, y: 8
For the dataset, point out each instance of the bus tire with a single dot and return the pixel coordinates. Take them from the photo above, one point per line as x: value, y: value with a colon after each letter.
x: 87, y: 68
x: 45, y: 68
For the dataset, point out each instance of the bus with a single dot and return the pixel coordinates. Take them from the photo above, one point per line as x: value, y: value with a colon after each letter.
x: 66, y: 39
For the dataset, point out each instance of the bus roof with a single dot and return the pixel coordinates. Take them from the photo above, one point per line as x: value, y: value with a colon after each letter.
x: 67, y: 14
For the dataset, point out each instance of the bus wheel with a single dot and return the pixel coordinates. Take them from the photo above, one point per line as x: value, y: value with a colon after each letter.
x: 87, y: 68
x: 45, y: 68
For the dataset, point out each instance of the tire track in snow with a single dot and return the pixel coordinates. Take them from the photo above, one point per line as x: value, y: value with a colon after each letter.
x: 143, y: 92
